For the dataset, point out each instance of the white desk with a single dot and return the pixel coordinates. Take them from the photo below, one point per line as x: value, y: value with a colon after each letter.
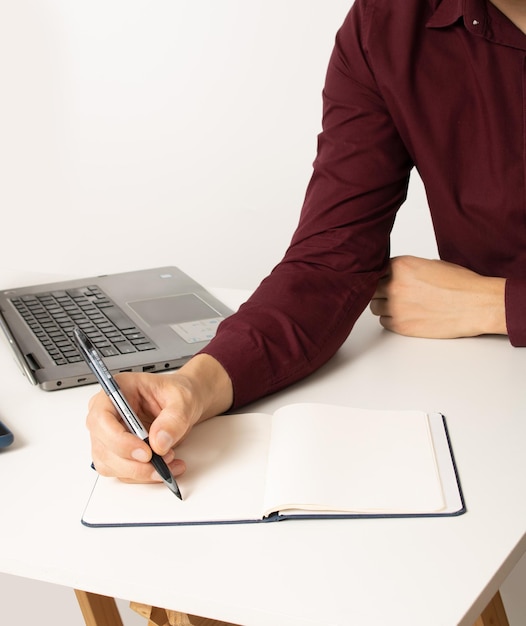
x: 437, y: 572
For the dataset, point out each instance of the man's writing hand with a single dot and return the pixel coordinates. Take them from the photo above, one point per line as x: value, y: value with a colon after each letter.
x: 168, y: 406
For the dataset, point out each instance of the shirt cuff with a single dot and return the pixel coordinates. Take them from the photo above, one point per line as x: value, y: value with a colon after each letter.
x: 242, y: 361
x: 515, y: 300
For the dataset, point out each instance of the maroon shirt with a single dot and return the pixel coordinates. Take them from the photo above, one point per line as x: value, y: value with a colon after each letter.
x: 434, y: 84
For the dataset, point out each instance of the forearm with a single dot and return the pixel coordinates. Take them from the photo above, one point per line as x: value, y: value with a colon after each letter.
x: 289, y: 328
x: 300, y: 315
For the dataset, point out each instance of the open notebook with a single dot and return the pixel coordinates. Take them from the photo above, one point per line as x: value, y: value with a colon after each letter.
x: 304, y: 461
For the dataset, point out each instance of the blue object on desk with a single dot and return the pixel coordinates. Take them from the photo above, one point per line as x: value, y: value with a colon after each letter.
x: 6, y: 436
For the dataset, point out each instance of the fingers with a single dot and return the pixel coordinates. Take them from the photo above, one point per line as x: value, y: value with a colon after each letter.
x: 169, y: 429
x: 384, y: 281
x: 379, y: 306
x: 380, y: 302
x: 136, y: 468
x: 168, y: 405
x: 116, y: 451
x: 390, y: 285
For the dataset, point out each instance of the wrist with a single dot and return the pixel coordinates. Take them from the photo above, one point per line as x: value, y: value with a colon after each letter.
x: 210, y: 383
x: 492, y: 301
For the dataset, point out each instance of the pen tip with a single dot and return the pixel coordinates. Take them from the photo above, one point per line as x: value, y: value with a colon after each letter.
x: 173, y: 486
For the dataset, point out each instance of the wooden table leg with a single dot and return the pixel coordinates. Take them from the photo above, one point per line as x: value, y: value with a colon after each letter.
x: 494, y: 614
x: 98, y: 610
x: 166, y: 617
x: 102, y: 611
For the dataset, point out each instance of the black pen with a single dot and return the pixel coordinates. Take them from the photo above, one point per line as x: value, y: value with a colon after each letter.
x: 109, y: 384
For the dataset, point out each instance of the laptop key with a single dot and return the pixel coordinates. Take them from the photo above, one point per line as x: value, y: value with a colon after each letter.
x: 120, y: 320
x: 125, y: 348
x: 109, y: 351
x: 142, y: 347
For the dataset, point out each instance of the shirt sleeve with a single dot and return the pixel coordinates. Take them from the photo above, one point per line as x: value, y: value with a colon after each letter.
x: 304, y: 310
x: 515, y: 302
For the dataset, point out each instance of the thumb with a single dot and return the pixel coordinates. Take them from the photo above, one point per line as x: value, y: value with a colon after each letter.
x: 168, y: 429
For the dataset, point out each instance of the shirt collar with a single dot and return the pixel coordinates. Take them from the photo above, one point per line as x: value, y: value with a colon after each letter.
x: 480, y: 18
x: 448, y: 12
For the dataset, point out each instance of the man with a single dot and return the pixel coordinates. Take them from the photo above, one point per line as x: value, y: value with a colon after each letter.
x: 432, y: 84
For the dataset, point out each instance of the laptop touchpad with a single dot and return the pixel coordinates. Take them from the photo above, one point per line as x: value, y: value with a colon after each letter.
x: 187, y: 314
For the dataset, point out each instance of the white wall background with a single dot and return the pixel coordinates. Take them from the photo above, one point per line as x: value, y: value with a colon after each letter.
x: 166, y: 131
x: 136, y: 133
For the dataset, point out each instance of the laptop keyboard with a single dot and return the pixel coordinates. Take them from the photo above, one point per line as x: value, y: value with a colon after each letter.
x: 53, y: 314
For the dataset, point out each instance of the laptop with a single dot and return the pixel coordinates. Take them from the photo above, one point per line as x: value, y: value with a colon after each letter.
x: 141, y: 321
